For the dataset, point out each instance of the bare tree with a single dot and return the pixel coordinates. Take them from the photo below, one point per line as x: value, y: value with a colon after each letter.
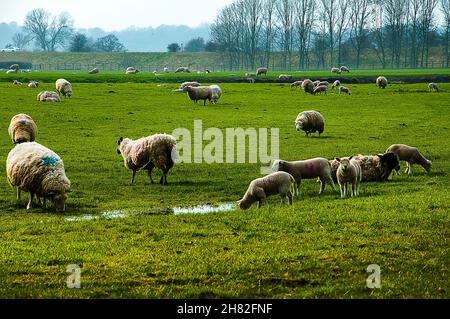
x: 445, y: 9
x: 414, y: 15
x: 329, y: 9
x: 358, y: 27
x: 304, y: 20
x: 428, y: 7
x: 395, y: 14
x: 342, y: 22
x: 20, y: 40
x: 252, y: 24
x: 268, y: 26
x: 285, y: 17
x: 377, y: 20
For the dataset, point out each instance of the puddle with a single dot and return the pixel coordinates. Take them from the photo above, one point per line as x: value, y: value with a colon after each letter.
x: 204, y: 209
x: 105, y: 215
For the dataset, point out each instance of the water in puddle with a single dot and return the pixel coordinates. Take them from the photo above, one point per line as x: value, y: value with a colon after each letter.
x: 204, y: 209
x: 105, y: 215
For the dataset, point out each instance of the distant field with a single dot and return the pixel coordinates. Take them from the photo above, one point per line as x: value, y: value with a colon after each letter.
x: 318, y: 248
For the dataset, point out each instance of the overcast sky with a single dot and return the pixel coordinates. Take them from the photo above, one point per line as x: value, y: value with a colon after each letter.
x: 119, y: 14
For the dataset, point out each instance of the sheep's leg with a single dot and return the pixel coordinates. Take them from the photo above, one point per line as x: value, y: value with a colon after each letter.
x: 204, y: 102
x: 30, y: 203
x: 149, y: 169
x: 409, y: 169
x: 132, y: 177
x: 322, y: 186
x: 341, y: 186
x: 18, y: 193
x: 354, y: 189
x: 290, y: 200
x: 45, y: 202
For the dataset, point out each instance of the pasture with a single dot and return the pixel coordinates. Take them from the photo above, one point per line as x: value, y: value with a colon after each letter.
x: 318, y: 248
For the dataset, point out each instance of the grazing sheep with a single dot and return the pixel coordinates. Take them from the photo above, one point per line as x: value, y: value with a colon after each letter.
x: 11, y: 71
x: 250, y: 74
x: 250, y: 80
x: 310, y: 122
x: 285, y: 77
x: 182, y: 70
x: 349, y: 171
x: 33, y: 168
x: 321, y: 89
x: 216, y: 93
x: 157, y: 150
x: 376, y: 168
x: 308, y: 86
x: 48, y: 96
x: 411, y: 155
x: 323, y: 83
x: 382, y: 82
x: 14, y: 67
x: 336, y: 70
x: 261, y: 71
x: 22, y: 129
x: 166, y: 70
x: 63, y: 87
x: 94, y: 71
x: 344, y: 89
x: 33, y: 84
x: 184, y: 85
x: 15, y: 82
x: 199, y: 93
x: 296, y: 84
x: 259, y: 189
x: 316, y: 83
x: 336, y: 84
x: 345, y: 69
x: 131, y: 70
x: 311, y: 168
x: 433, y: 87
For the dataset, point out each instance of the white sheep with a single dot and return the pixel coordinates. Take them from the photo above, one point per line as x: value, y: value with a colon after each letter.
x: 308, y: 86
x: 250, y: 80
x: 11, y: 71
x: 261, y: 71
x: 182, y: 70
x: 48, y: 96
x: 344, y: 89
x: 433, y: 87
x: 316, y: 83
x: 321, y: 89
x: 382, y: 82
x: 296, y: 84
x: 411, y: 155
x: 184, y: 85
x: 310, y: 122
x: 131, y: 70
x: 307, y: 169
x: 349, y: 171
x: 157, y: 150
x: 336, y: 70
x: 166, y: 70
x: 345, y: 69
x: 63, y: 87
x: 336, y: 84
x: 259, y: 189
x: 33, y: 168
x: 22, y: 128
x: 250, y: 74
x: 33, y: 84
x: 94, y: 71
x: 216, y: 93
x: 285, y: 77
x: 15, y: 82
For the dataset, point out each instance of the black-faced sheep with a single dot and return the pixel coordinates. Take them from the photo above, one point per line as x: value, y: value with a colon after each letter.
x: 310, y: 122
x: 63, y: 87
x: 382, y: 82
x: 38, y: 170
x: 158, y: 151
x: 349, y: 171
x: 131, y: 70
x: 33, y: 84
x: 259, y: 189
x: 411, y: 155
x: 22, y: 129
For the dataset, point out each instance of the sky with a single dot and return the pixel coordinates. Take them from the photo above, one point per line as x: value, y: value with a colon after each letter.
x: 119, y: 14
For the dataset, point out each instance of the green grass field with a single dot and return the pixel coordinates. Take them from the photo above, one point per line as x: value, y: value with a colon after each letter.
x: 318, y: 248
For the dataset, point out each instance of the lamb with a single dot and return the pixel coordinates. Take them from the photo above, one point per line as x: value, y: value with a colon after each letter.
x: 182, y: 70
x: 349, y: 171
x: 33, y: 168
x: 94, y: 71
x: 48, y: 96
x: 411, y: 155
x: 15, y: 82
x: 157, y: 150
x: 336, y: 70
x: 345, y: 69
x: 310, y: 122
x: 33, y: 84
x: 131, y: 70
x: 296, y: 84
x: 199, y: 93
x: 259, y: 189
x: 261, y: 71
x: 382, y: 82
x: 216, y: 93
x: 285, y: 77
x: 433, y: 87
x: 321, y: 89
x: 344, y: 89
x: 63, y: 87
x: 184, y: 85
x: 308, y: 86
x: 22, y: 129
x: 307, y: 169
x: 336, y: 84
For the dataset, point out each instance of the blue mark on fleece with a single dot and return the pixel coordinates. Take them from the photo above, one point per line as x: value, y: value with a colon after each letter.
x: 49, y: 161
x: 23, y: 122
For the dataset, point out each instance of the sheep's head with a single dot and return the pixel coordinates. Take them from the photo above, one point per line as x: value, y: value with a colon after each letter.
x: 344, y: 163
x: 390, y: 161
x: 118, y: 145
x: 298, y: 125
x: 58, y: 199
x: 428, y: 164
x: 244, y: 205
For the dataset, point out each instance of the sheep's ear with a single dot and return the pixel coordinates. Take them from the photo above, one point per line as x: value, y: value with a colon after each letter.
x: 350, y: 158
x: 380, y: 155
x: 338, y: 159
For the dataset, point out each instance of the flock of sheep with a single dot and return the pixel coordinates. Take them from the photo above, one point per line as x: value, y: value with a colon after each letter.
x: 33, y: 168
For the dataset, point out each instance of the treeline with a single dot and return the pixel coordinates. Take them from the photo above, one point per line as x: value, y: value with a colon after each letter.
x: 326, y: 33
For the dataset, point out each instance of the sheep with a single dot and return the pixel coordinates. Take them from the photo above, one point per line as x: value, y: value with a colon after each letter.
x: 323, y: 83
x: 184, y: 85
x: 33, y: 84
x: 250, y: 80
x: 344, y: 69
x: 259, y: 189
x: 199, y: 93
x: 285, y: 77
x: 382, y: 82
x: 15, y: 82
x: 26, y: 71
x: 308, y: 86
x: 11, y: 71
x: 261, y: 71
x: 349, y: 171
x: 14, y: 67
x: 182, y: 70
x: 316, y: 83
x: 94, y: 71
x: 166, y: 70
x: 33, y: 168
x: 216, y: 93
x: 336, y: 70
x: 344, y: 89
x: 250, y: 74
x: 336, y: 84
x: 307, y: 169
x: 310, y: 122
x: 321, y: 89
x: 411, y: 155
x: 433, y: 87
x: 296, y: 84
x: 48, y: 96
x: 158, y: 150
x: 131, y: 70
x: 376, y: 168
x: 63, y: 87
x: 22, y: 129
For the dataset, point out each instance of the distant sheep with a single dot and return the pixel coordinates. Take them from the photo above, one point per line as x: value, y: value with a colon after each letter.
x: 259, y: 189
x: 261, y: 71
x: 433, y: 87
x: 216, y: 93
x: 208, y: 71
x: 382, y: 82
x: 336, y: 84
x: 33, y: 168
x: 336, y: 70
x: 63, y: 87
x: 33, y: 84
x: 131, y: 70
x: 344, y: 89
x: 11, y: 71
x: 349, y: 171
x: 250, y: 74
x: 94, y: 71
x: 308, y: 86
x: 310, y: 122
x: 48, y: 96
x: 345, y: 69
x: 411, y: 155
x: 14, y: 67
x: 15, y: 82
x: 250, y: 80
x: 158, y: 151
x: 22, y: 129
x: 285, y: 77
x: 321, y: 89
x: 166, y: 70
x: 184, y: 85
x: 182, y: 70
x: 296, y: 84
